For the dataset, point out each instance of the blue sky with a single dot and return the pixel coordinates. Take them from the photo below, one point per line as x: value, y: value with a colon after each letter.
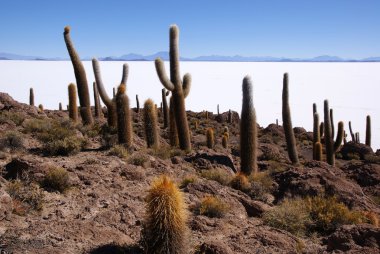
x: 279, y: 28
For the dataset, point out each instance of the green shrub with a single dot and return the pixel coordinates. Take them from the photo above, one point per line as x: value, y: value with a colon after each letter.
x: 290, y: 215
x: 37, y: 125
x: 57, y: 179
x: 220, y: 175
x: 212, y: 207
x: 12, y: 140
x: 119, y: 151
x: 15, y: 117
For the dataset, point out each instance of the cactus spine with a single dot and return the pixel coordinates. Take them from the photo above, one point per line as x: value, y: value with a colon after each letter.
x: 165, y: 229
x: 150, y: 122
x: 165, y: 108
x: 110, y: 103
x: 31, y: 97
x: 316, y: 135
x: 73, y: 108
x: 124, y: 123
x: 210, y: 138
x: 248, y: 131
x: 368, y: 131
x: 179, y: 88
x: 80, y: 76
x: 98, y: 108
x: 287, y: 122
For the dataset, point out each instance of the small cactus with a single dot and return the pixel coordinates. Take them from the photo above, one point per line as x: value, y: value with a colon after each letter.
x: 41, y: 107
x: 180, y: 88
x: 332, y: 123
x: 368, y: 131
x: 287, y: 123
x: 210, y: 138
x: 165, y: 108
x: 98, y: 108
x: 164, y: 228
x: 248, y: 131
x: 225, y: 141
x: 351, y: 132
x: 330, y: 158
x: 31, y: 97
x: 60, y: 106
x: 318, y: 151
x: 339, y: 136
x: 124, y: 122
x: 80, y: 76
x: 229, y: 116
x: 218, y: 109
x: 73, y: 108
x: 150, y: 122
x: 137, y: 104
x: 316, y: 134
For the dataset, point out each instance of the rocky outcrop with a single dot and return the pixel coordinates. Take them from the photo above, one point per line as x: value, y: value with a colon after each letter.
x: 351, y: 150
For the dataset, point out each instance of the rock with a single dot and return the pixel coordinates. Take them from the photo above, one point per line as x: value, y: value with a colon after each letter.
x: 27, y: 169
x: 364, y: 238
x: 6, y: 205
x: 270, y: 152
x: 254, y: 208
x: 274, y: 130
x: 351, y: 149
x: 318, y: 178
x: 365, y: 174
x: 213, y: 158
x: 213, y: 247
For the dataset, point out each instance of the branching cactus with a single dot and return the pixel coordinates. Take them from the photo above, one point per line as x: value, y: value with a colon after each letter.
x: 248, y: 131
x: 124, y: 122
x: 316, y: 135
x: 150, y: 122
x: 164, y: 228
x: 110, y: 103
x: 331, y: 146
x: 73, y: 108
x: 31, y: 97
x: 98, y: 108
x: 179, y: 88
x: 80, y: 76
x: 368, y: 131
x: 165, y: 108
x: 287, y: 123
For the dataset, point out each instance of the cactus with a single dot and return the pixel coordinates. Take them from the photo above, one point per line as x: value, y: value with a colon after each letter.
x: 357, y: 138
x: 80, y: 76
x: 229, y: 116
x: 248, y: 131
x: 173, y: 134
x: 321, y: 129
x: 179, y: 88
x: 73, y: 108
x: 124, y: 122
x: 368, y: 131
x: 165, y: 108
x: 206, y: 115
x: 218, y: 109
x: 164, y: 228
x: 316, y: 134
x: 287, y: 123
x: 60, y: 106
x: 332, y: 123
x: 98, y: 108
x: 339, y: 136
x: 331, y: 147
x: 150, y: 122
x: 314, y: 108
x: 114, y: 92
x: 318, y: 151
x: 31, y: 97
x: 137, y: 104
x: 351, y: 132
x: 210, y: 138
x: 110, y: 103
x: 225, y: 141
x: 41, y: 107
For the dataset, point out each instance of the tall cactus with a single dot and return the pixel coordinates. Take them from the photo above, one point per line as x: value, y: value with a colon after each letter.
x: 351, y: 132
x: 110, y: 103
x: 80, y: 76
x: 287, y: 122
x: 173, y: 134
x: 124, y: 122
x: 368, y: 131
x: 98, y: 108
x: 229, y: 116
x: 316, y: 135
x: 165, y: 108
x: 31, y: 97
x: 332, y: 123
x: 330, y: 158
x: 150, y: 122
x: 248, y: 131
x: 137, y: 104
x: 73, y: 108
x: 339, y: 136
x: 179, y: 88
x: 60, y: 106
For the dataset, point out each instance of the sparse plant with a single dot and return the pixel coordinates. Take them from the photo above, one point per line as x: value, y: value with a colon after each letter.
x: 187, y: 180
x: 119, y: 151
x: 12, y: 140
x: 212, y: 207
x: 29, y: 196
x: 240, y: 182
x: 220, y: 175
x: 138, y: 159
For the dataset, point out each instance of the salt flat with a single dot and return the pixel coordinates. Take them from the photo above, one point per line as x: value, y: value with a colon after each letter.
x: 352, y: 88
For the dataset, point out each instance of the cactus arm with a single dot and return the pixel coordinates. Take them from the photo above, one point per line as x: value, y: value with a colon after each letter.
x: 174, y: 56
x: 99, y: 82
x: 351, y: 132
x: 339, y: 136
x: 186, y: 85
x: 160, y: 68
x: 125, y: 74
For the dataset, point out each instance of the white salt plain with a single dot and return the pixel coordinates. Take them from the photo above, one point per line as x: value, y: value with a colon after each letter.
x: 352, y: 88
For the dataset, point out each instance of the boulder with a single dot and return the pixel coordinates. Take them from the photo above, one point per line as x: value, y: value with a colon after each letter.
x: 6, y: 205
x: 351, y: 149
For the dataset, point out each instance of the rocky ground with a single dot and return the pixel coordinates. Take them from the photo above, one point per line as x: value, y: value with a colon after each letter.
x: 103, y: 209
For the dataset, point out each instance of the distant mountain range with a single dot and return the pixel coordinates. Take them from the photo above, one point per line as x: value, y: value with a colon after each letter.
x: 212, y: 58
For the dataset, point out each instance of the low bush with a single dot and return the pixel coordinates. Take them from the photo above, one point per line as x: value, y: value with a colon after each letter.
x: 220, y: 175
x: 27, y: 196
x: 119, y: 151
x: 240, y: 182
x: 139, y: 159
x: 212, y: 207
x: 15, y: 117
x: 187, y: 180
x: 57, y: 179
x: 12, y: 140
